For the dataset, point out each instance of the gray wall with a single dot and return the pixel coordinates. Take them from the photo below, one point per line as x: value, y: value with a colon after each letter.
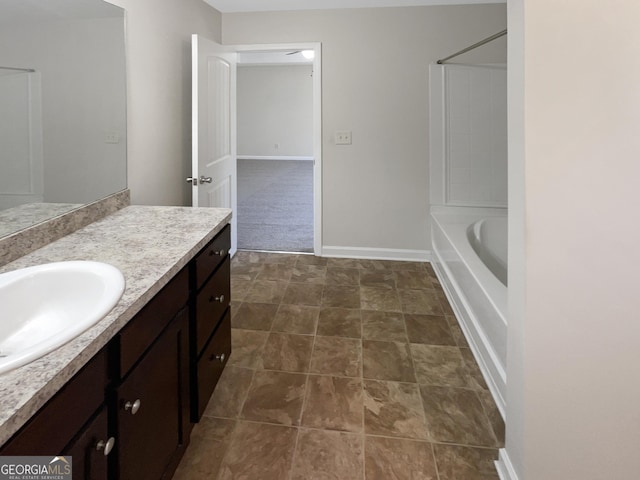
x: 159, y: 95
x: 375, y: 83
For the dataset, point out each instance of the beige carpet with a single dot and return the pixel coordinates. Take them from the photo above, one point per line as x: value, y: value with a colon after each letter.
x: 275, y: 205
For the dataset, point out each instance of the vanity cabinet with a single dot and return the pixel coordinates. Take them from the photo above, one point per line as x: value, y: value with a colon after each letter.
x: 150, y: 402
x: 91, y: 448
x: 73, y: 422
x: 210, y: 339
x: 129, y: 412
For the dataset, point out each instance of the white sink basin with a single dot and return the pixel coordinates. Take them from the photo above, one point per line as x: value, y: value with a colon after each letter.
x: 43, y: 307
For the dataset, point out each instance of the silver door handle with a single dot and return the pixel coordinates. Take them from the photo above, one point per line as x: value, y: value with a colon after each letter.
x: 204, y: 179
x: 192, y: 180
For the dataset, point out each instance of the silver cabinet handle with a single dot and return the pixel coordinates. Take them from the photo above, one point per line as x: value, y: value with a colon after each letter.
x: 204, y: 179
x: 106, y: 447
x: 132, y: 407
x: 192, y: 180
x: 221, y: 253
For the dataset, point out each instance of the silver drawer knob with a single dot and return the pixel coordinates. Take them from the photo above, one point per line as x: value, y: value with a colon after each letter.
x: 221, y: 357
x: 221, y: 253
x: 106, y: 447
x: 216, y: 299
x: 132, y: 407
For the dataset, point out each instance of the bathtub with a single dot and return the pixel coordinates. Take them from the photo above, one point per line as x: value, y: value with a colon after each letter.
x: 470, y: 259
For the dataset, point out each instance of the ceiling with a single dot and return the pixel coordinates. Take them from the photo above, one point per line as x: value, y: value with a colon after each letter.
x: 231, y: 6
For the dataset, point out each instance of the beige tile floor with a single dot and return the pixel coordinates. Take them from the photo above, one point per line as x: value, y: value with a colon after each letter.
x: 344, y: 369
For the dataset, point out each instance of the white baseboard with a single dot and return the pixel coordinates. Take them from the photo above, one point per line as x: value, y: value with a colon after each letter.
x: 272, y: 157
x: 377, y: 253
x: 505, y: 467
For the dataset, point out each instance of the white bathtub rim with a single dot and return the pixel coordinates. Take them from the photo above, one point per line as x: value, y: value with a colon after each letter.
x: 496, y: 390
x: 441, y: 265
x: 495, y: 291
x: 488, y: 238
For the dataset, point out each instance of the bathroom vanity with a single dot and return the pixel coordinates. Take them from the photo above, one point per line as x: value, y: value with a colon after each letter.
x: 122, y: 398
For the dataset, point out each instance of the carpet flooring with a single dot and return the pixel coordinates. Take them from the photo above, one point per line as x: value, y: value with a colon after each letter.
x: 275, y: 205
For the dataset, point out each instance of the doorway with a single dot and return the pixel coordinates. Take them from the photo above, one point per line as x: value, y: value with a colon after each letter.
x: 279, y: 148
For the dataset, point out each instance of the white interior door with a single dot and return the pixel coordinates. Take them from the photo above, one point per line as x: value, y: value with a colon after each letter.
x: 214, y: 128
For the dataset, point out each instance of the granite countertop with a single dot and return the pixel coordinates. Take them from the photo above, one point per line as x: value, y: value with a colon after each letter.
x: 23, y: 216
x: 149, y: 245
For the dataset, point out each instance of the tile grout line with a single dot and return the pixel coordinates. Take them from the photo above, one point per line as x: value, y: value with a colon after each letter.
x: 435, y: 461
x: 228, y: 449
x: 304, y: 402
x: 347, y: 432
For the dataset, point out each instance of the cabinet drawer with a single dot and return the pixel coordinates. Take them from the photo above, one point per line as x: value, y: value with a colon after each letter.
x: 212, y: 362
x: 212, y: 255
x: 55, y: 424
x: 211, y: 302
x: 143, y: 329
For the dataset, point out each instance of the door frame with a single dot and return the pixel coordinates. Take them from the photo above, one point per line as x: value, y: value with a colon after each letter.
x: 317, y: 125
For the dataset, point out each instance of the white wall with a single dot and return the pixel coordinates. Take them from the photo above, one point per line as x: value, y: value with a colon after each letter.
x: 574, y: 334
x: 275, y: 106
x: 375, y: 83
x: 159, y: 95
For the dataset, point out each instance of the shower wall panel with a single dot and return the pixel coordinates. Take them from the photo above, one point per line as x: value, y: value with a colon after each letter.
x: 21, y: 139
x: 468, y: 135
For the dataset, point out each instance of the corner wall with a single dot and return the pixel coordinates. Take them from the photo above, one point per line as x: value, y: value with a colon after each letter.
x: 375, y: 84
x: 159, y: 95
x: 574, y: 362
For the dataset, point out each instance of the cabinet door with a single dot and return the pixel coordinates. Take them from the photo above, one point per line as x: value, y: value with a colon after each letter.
x: 90, y: 448
x: 152, y: 403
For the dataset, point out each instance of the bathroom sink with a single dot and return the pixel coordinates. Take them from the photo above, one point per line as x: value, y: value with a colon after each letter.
x: 43, y: 307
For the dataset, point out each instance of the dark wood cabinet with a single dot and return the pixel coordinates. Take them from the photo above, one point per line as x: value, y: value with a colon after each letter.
x: 151, y: 405
x: 211, y: 363
x: 140, y: 333
x: 207, y: 260
x: 210, y: 320
x: 51, y: 431
x: 91, y: 448
x: 129, y: 412
x: 210, y: 304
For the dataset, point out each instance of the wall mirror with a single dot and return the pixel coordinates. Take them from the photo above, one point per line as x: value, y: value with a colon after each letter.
x: 62, y: 107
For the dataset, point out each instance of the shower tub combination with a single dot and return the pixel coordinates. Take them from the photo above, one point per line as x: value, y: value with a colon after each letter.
x: 470, y: 260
